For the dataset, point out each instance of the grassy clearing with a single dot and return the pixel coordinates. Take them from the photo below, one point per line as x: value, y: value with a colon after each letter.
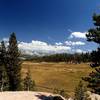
x: 56, y: 75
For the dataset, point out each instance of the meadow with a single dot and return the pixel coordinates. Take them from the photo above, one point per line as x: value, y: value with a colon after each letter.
x: 49, y: 76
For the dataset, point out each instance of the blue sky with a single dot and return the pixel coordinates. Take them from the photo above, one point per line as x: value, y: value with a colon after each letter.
x: 50, y: 21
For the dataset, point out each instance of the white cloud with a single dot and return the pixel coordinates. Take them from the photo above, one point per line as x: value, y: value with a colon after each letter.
x: 78, y: 35
x: 59, y: 44
x: 79, y: 51
x: 70, y: 43
x: 38, y: 43
x: 42, y: 47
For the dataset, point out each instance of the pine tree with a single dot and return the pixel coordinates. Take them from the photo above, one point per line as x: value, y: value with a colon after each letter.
x: 93, y: 35
x: 28, y: 83
x: 4, y: 81
x: 80, y: 92
x: 13, y: 64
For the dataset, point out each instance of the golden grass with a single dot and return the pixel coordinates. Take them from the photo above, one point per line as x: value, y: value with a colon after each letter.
x: 56, y: 75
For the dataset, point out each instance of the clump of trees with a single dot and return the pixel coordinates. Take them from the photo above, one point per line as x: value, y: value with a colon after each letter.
x: 10, y: 66
x: 94, y: 36
x: 68, y: 58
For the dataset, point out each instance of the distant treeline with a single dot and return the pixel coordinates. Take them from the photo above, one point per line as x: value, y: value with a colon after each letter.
x: 68, y: 58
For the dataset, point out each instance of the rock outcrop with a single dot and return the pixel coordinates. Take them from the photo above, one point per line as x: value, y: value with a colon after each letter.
x: 92, y: 96
x: 24, y: 95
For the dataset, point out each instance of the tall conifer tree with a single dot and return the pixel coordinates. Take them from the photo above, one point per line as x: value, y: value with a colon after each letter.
x: 4, y: 81
x: 13, y: 64
x: 93, y: 35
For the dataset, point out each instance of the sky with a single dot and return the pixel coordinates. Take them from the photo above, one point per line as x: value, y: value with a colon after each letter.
x: 59, y: 25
